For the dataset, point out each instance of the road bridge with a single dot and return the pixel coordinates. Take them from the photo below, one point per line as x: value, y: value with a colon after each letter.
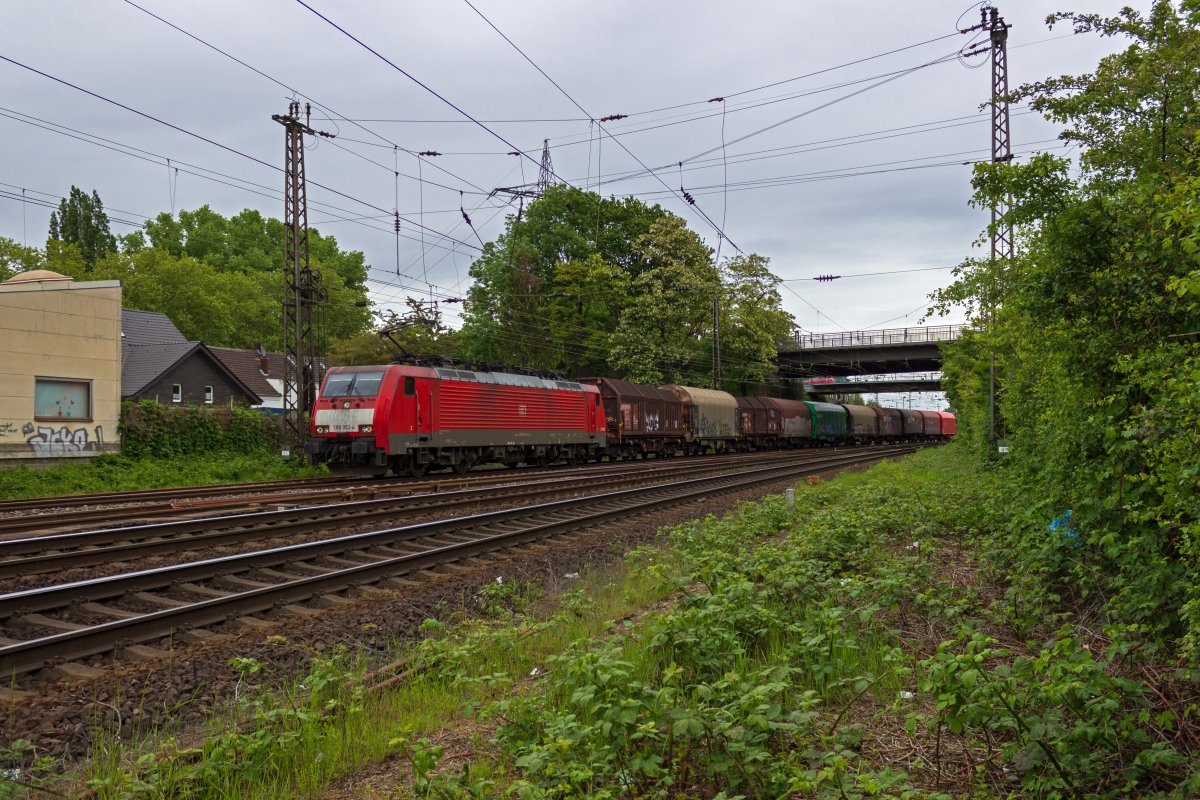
x: 877, y: 352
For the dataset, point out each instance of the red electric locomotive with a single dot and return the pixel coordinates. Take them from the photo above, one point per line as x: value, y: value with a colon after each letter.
x: 408, y: 419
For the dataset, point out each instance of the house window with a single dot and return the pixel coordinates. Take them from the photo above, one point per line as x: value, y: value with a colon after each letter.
x: 208, y: 395
x: 62, y: 398
x: 176, y: 393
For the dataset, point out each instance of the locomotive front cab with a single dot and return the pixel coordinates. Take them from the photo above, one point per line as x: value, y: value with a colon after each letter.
x: 346, y: 421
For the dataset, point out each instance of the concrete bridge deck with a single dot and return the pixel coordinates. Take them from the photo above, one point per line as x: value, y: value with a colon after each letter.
x: 875, y: 352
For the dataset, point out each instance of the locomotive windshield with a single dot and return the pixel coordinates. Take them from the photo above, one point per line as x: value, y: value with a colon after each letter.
x: 352, y: 384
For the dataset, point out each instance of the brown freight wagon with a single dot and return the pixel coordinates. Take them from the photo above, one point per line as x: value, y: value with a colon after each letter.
x: 891, y: 423
x: 758, y: 423
x: 863, y: 426
x: 641, y: 419
x: 932, y: 425
x: 795, y: 421
x: 914, y: 424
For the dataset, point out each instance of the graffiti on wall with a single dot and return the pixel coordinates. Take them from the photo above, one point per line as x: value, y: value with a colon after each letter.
x: 48, y: 441
x: 7, y: 427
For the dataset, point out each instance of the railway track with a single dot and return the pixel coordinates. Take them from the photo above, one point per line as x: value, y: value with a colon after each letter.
x: 71, y: 621
x: 176, y: 493
x: 48, y: 553
x: 164, y: 503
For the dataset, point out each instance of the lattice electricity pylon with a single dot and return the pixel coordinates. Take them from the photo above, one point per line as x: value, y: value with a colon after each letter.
x: 1002, y: 235
x: 531, y: 190
x: 546, y: 173
x: 301, y: 288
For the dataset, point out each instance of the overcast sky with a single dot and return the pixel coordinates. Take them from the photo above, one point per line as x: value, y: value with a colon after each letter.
x: 613, y: 58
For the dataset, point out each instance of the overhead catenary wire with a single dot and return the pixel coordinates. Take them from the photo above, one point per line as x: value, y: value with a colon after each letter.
x: 195, y: 135
x: 417, y: 81
x: 334, y: 114
x: 599, y: 123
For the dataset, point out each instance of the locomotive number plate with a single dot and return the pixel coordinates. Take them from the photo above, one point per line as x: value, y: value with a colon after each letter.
x: 343, y: 427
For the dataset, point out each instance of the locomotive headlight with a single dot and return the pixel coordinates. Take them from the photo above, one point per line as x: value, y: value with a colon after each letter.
x: 322, y: 429
x: 366, y: 428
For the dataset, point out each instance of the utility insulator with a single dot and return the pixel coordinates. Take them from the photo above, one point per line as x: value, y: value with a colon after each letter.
x: 824, y: 278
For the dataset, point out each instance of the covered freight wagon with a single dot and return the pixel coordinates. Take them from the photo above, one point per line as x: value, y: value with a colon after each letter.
x: 641, y: 419
x: 714, y: 417
x: 758, y: 422
x: 795, y: 420
x: 949, y: 424
x: 891, y: 423
x: 828, y: 421
x: 931, y: 424
x: 914, y: 423
x: 863, y: 425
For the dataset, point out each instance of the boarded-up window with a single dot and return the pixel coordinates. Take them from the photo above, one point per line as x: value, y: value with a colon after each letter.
x: 62, y: 398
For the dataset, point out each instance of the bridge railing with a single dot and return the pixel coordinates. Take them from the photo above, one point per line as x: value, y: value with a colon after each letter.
x: 921, y: 335
x: 902, y: 377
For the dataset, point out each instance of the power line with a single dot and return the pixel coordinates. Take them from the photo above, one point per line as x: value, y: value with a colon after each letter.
x: 681, y: 195
x: 203, y: 138
x: 291, y: 89
x: 825, y: 278
x: 415, y: 80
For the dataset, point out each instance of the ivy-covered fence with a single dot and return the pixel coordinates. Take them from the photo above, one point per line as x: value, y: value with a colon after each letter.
x: 155, y: 430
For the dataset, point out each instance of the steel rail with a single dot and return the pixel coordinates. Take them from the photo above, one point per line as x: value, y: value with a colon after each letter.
x: 138, y: 495
x: 30, y: 655
x: 229, y: 496
x: 353, y: 491
x: 51, y: 552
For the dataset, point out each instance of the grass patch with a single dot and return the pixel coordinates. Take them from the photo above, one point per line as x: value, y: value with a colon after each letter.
x: 114, y: 473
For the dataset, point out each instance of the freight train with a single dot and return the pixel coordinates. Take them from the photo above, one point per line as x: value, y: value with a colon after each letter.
x: 411, y: 419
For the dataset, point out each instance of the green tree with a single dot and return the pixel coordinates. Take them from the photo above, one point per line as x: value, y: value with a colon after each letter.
x: 248, y: 250
x: 660, y: 335
x: 1092, y: 324
x: 515, y: 278
x: 80, y: 220
x: 16, y: 258
x: 753, y: 325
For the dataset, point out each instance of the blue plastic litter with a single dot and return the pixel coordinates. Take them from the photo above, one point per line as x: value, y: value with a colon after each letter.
x: 1065, y: 530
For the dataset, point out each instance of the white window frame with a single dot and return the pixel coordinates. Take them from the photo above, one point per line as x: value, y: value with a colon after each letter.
x: 176, y: 393
x: 208, y: 395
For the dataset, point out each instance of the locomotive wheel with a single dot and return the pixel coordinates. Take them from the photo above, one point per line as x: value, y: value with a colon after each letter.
x: 462, y: 466
x: 512, y: 464
x: 418, y: 470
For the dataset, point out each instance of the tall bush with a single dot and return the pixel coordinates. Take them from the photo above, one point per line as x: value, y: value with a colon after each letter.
x: 150, y: 429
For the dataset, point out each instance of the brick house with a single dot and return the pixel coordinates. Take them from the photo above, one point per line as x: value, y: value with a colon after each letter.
x: 159, y: 363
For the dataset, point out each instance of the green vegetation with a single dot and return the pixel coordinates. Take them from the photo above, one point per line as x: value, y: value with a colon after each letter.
x: 80, y: 221
x: 164, y: 446
x: 594, y: 286
x: 154, y: 430
x: 217, y: 278
x: 875, y: 640
x: 116, y: 473
x: 1093, y: 327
